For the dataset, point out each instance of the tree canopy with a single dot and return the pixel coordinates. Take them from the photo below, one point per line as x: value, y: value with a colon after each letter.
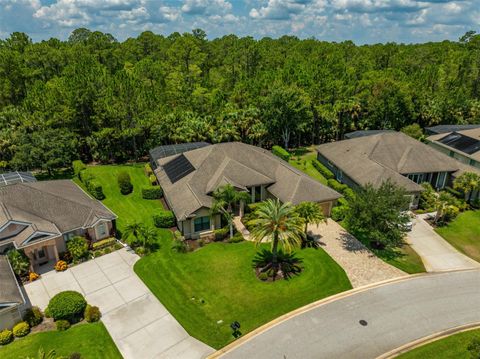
x: 95, y: 98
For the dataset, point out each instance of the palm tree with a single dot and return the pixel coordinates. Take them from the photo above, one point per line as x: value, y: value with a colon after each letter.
x: 223, y: 200
x: 19, y: 261
x: 148, y: 235
x: 311, y: 213
x: 279, y: 224
x: 467, y: 183
x: 42, y: 355
x: 133, y: 229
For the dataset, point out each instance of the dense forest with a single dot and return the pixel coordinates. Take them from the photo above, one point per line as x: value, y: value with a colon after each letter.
x: 94, y: 98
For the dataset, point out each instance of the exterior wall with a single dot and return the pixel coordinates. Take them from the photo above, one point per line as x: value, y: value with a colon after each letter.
x: 458, y: 156
x: 9, y: 317
x: 93, y: 233
x: 187, y: 227
x: 51, y: 247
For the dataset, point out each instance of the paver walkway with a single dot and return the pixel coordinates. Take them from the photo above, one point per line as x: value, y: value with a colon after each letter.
x: 237, y: 222
x: 361, y: 265
x: 436, y: 253
x: 138, y: 323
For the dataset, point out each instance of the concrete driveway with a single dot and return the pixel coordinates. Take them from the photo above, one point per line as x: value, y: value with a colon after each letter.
x: 395, y: 314
x: 436, y: 253
x: 138, y: 323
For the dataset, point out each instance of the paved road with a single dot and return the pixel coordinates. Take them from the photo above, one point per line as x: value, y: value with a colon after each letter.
x: 138, y: 323
x: 396, y: 313
x: 436, y: 253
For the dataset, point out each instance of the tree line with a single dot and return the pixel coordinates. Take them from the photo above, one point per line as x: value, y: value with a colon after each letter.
x: 97, y: 99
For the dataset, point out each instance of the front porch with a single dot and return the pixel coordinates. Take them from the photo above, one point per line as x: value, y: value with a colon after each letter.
x: 44, y: 255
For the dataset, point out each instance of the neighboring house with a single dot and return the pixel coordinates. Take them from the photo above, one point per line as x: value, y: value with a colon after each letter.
x: 463, y: 145
x: 436, y: 130
x: 39, y: 217
x: 364, y: 133
x: 190, y: 177
x: 392, y: 155
x: 12, y: 302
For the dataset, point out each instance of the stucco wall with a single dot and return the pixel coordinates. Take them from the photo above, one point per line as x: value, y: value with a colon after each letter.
x: 9, y: 317
x: 188, y: 225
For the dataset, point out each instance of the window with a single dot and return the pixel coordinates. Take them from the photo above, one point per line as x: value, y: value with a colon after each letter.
x: 201, y: 223
x: 102, y: 229
x: 68, y: 236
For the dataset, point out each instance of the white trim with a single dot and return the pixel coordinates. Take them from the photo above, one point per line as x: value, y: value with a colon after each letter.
x: 11, y: 221
x: 36, y: 233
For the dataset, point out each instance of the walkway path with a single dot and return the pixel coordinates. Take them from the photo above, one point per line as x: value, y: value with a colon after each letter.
x: 237, y: 222
x: 138, y: 323
x: 436, y: 253
x: 394, y: 314
x: 360, y: 264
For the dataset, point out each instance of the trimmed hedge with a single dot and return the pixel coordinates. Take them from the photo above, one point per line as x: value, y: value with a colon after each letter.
x: 221, y: 234
x: 62, y: 325
x: 339, y: 213
x: 152, y: 179
x: 68, y: 305
x: 104, y: 243
x: 21, y: 329
x: 164, y: 219
x: 148, y: 170
x: 337, y: 186
x: 78, y: 166
x: 124, y: 182
x: 33, y: 316
x: 281, y: 152
x: 324, y: 171
x: 95, y: 189
x: 85, y: 177
x: 6, y: 337
x: 154, y: 192
x: 92, y: 314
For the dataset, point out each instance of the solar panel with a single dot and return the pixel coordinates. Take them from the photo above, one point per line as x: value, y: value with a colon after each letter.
x: 16, y: 177
x: 170, y: 150
x: 462, y: 143
x: 178, y: 168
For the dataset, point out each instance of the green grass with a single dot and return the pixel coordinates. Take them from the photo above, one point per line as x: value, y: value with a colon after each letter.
x: 131, y: 207
x: 452, y: 347
x: 306, y: 154
x: 90, y: 340
x: 218, y: 283
x: 404, y: 258
x: 464, y: 233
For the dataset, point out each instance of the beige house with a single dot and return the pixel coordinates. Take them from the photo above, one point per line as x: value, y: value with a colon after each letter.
x: 39, y: 217
x: 12, y: 302
x: 190, y: 176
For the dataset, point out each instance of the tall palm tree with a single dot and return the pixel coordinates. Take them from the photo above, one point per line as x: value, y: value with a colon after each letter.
x: 311, y: 213
x: 467, y: 183
x: 224, y: 198
x: 278, y: 224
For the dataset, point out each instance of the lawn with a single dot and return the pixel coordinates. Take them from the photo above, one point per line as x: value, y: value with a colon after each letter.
x: 464, y: 233
x: 302, y: 160
x: 404, y: 258
x: 208, y: 289
x: 131, y: 207
x: 90, y: 340
x: 452, y: 347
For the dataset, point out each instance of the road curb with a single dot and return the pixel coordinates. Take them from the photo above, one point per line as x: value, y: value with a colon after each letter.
x: 228, y: 348
x: 428, y: 339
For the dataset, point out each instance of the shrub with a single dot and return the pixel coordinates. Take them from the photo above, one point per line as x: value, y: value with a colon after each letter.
x: 6, y: 337
x: 221, y: 234
x: 164, y: 219
x: 97, y: 254
x: 201, y: 242
x: 92, y: 314
x: 179, y: 246
x: 19, y: 261
x: 263, y: 276
x: 78, y: 166
x: 474, y: 348
x: 339, y: 213
x: 85, y: 177
x: 154, y: 192
x: 337, y: 186
x: 153, y: 179
x: 62, y: 325
x: 148, y: 169
x: 141, y: 251
x: 342, y: 202
x: 104, y: 243
x: 456, y: 193
x: 324, y: 171
x: 68, y: 305
x: 349, y: 194
x: 107, y: 250
x: 78, y: 247
x: 117, y: 246
x: 21, y: 329
x: 32, y: 276
x: 124, y: 182
x: 33, y: 316
x: 237, y: 237
x: 281, y: 152
x: 95, y: 189
x: 61, y: 266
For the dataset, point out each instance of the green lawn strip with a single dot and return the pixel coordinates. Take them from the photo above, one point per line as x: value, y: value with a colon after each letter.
x: 131, y: 207
x: 307, y: 155
x: 217, y: 283
x: 452, y: 347
x: 464, y: 233
x: 90, y: 340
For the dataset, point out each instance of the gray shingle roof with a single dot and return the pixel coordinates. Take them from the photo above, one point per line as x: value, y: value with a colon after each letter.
x: 9, y: 290
x: 51, y: 206
x: 363, y: 133
x: 473, y: 133
x: 449, y: 128
x: 241, y: 165
x: 375, y: 158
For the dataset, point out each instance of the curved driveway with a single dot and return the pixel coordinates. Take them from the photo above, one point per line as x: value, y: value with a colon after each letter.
x: 396, y: 314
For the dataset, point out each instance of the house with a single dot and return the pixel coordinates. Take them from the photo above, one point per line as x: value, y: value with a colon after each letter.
x: 190, y: 177
x: 391, y: 155
x: 12, y: 302
x: 363, y: 133
x: 439, y: 129
x: 463, y: 145
x: 39, y: 217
